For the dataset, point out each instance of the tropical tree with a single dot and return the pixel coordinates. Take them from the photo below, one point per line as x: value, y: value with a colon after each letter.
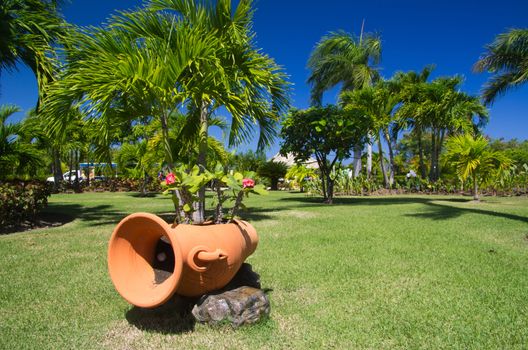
x: 273, y: 171
x: 507, y: 59
x: 301, y: 175
x: 176, y: 55
x: 342, y: 58
x: 409, y: 84
x: 16, y: 156
x: 378, y: 103
x: 327, y: 133
x: 249, y: 84
x: 29, y: 30
x: 246, y: 161
x: 443, y: 110
x: 472, y: 158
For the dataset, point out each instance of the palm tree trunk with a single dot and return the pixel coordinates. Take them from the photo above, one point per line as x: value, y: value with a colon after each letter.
x: 382, y: 165
x: 199, y: 207
x: 77, y: 171
x: 432, y: 171
x: 391, y: 158
x: 439, y: 145
x: 369, y: 157
x: 166, y: 143
x: 357, y: 160
x: 57, y: 171
x: 423, y: 171
x: 475, y: 188
x: 71, y: 168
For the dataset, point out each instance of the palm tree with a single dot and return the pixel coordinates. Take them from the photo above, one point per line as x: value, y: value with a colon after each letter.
x: 442, y: 109
x: 16, y: 156
x: 408, y: 84
x: 507, y: 59
x: 343, y: 58
x: 177, y: 54
x: 29, y: 30
x: 249, y: 96
x: 473, y: 158
x: 378, y: 103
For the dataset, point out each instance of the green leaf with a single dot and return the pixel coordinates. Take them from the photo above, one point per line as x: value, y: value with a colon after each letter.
x: 187, y: 208
x: 259, y: 189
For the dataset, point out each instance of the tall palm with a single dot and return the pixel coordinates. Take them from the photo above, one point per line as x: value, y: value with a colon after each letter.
x: 408, y: 85
x: 473, y: 158
x: 343, y: 58
x: 154, y: 62
x: 507, y: 59
x: 443, y: 109
x: 249, y: 96
x: 378, y: 103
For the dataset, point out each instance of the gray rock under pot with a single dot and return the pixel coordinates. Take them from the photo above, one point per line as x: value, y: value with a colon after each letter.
x: 243, y: 305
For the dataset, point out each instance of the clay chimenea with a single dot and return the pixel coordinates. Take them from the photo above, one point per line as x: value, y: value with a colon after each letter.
x: 150, y: 260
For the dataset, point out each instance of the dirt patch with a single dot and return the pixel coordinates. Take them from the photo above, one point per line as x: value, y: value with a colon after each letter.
x: 43, y: 220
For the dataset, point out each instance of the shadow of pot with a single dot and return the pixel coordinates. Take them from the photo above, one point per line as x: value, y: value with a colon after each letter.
x: 150, y: 260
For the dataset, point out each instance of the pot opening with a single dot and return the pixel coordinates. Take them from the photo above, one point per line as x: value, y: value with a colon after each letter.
x: 163, y: 261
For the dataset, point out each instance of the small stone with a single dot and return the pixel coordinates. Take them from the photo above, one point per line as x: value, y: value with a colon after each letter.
x: 243, y: 305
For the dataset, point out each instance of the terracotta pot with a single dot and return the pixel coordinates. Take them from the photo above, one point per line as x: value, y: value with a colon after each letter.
x: 150, y: 260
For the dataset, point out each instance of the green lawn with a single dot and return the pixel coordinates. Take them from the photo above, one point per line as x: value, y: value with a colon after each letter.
x: 368, y: 272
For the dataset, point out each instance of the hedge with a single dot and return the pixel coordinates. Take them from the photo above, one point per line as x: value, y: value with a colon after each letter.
x: 21, y: 201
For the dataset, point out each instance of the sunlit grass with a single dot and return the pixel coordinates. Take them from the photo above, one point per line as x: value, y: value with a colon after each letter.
x: 367, y: 272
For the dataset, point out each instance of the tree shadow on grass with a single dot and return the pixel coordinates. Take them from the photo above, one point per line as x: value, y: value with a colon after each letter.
x: 437, y: 210
x: 97, y: 216
x: 173, y: 317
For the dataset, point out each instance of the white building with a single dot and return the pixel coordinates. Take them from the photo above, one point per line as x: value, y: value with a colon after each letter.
x: 289, y: 160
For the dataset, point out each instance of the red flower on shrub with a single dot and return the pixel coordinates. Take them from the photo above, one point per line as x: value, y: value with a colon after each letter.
x: 170, y: 179
x: 248, y: 183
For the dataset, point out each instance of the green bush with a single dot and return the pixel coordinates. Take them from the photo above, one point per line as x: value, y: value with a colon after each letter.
x: 21, y: 201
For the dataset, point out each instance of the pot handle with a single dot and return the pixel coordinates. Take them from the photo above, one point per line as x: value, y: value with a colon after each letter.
x: 202, y: 255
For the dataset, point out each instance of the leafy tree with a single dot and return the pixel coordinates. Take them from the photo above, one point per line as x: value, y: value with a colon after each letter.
x: 273, y: 171
x: 327, y: 133
x: 516, y: 150
x: 343, y: 58
x: 507, y: 59
x: 248, y: 161
x: 473, y: 158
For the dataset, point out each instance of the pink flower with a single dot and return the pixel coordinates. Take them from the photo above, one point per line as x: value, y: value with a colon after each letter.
x: 248, y: 183
x: 170, y: 179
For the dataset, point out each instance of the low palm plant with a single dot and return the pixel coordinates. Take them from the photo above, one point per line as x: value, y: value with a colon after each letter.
x: 472, y: 158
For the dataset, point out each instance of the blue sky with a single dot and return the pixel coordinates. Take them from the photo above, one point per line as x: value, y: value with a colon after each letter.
x: 449, y: 34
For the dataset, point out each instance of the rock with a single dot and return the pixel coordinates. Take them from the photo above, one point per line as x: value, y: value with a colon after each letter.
x: 243, y: 305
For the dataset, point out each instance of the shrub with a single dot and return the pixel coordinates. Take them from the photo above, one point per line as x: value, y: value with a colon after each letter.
x: 21, y: 201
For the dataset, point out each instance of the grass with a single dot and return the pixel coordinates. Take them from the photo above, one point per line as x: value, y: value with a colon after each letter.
x: 368, y: 272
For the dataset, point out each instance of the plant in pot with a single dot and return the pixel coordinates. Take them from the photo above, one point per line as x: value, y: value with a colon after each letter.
x: 149, y: 260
